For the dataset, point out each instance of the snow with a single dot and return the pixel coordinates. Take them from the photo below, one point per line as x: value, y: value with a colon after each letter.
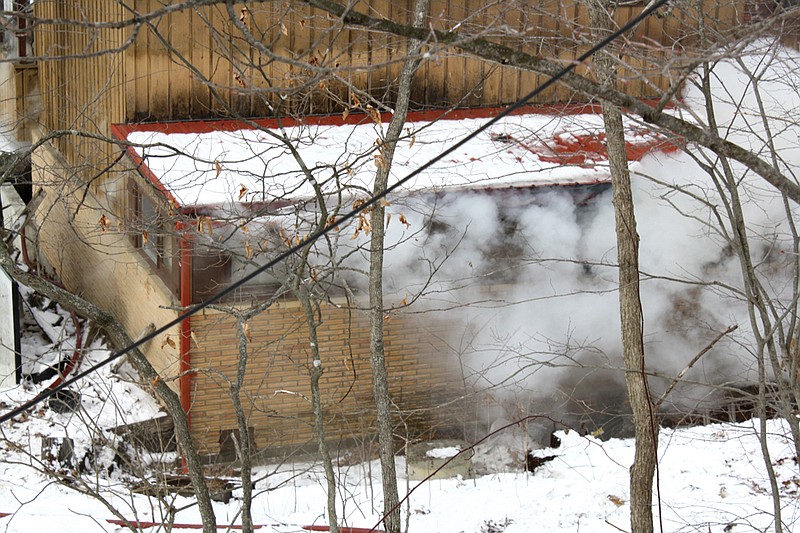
x: 443, y: 453
x: 214, y: 168
x: 711, y: 478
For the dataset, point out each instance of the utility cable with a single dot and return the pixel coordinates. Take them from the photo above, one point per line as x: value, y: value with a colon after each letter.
x: 344, y: 218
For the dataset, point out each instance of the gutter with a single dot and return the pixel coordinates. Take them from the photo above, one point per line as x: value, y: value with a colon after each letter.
x: 185, y: 381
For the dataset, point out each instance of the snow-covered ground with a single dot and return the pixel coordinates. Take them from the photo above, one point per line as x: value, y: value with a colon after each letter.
x: 711, y: 478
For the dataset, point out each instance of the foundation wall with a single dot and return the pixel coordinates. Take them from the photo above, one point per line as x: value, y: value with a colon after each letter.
x: 423, y: 377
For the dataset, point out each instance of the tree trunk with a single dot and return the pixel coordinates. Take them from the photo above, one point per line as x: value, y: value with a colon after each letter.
x: 630, y: 305
x: 243, y: 444
x: 380, y: 378
x: 316, y: 372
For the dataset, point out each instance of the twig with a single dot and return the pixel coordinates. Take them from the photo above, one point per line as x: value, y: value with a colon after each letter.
x: 692, y: 363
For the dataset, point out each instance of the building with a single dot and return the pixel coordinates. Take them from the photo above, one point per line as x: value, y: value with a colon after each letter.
x: 102, y: 225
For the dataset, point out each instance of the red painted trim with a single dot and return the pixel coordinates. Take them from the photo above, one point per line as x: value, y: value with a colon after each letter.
x: 121, y: 131
x: 344, y: 529
x: 146, y: 524
x: 585, y: 150
x: 185, y: 383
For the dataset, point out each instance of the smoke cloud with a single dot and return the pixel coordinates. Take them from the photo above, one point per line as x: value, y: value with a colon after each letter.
x: 527, y: 276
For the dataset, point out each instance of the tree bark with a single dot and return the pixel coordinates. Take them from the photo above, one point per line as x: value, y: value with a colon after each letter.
x: 244, y: 445
x: 316, y: 372
x: 630, y: 305
x: 380, y: 377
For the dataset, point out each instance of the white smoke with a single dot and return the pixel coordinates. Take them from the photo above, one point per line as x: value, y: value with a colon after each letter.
x: 527, y: 278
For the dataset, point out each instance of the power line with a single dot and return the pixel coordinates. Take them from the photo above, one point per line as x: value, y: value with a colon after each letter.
x: 345, y: 218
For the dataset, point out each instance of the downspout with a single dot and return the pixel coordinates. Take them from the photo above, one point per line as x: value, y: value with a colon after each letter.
x: 185, y: 383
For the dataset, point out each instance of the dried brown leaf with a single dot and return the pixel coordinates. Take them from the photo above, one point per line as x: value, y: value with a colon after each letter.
x: 168, y: 342
x: 376, y: 117
x: 242, y: 191
x: 616, y: 500
x: 104, y: 222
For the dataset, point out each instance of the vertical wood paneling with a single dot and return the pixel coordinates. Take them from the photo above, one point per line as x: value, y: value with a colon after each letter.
x: 458, y: 84
x: 220, y: 66
x: 141, y: 70
x: 473, y: 68
x: 378, y: 54
x: 358, y: 44
x: 180, y: 33
x: 158, y: 86
x: 159, y: 67
x: 200, y: 95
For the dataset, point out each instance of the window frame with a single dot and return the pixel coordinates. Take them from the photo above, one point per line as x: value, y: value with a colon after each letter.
x: 155, y: 242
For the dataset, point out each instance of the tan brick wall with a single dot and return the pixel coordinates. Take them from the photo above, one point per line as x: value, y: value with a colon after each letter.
x: 99, y: 264
x: 423, y: 376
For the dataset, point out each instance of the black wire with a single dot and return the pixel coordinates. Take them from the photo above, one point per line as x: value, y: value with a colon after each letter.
x: 328, y: 228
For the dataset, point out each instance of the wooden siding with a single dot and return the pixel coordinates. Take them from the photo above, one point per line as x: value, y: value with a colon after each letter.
x: 426, y: 385
x: 19, y: 97
x: 82, y: 87
x: 198, y: 64
x: 213, y: 68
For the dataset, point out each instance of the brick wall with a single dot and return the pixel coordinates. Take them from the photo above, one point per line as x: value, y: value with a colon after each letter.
x: 95, y: 261
x: 422, y: 377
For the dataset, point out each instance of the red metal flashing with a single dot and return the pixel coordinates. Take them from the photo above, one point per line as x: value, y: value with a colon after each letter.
x: 121, y: 131
x: 145, y: 524
x: 587, y: 149
x: 185, y: 381
x: 344, y: 529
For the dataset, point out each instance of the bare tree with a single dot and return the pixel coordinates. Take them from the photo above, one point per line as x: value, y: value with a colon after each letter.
x: 380, y: 374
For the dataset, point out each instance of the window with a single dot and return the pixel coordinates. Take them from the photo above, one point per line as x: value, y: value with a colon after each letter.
x: 16, y: 34
x: 153, y: 234
x: 211, y: 272
x: 214, y: 270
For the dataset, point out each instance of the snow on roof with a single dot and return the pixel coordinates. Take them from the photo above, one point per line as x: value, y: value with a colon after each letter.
x: 221, y: 163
